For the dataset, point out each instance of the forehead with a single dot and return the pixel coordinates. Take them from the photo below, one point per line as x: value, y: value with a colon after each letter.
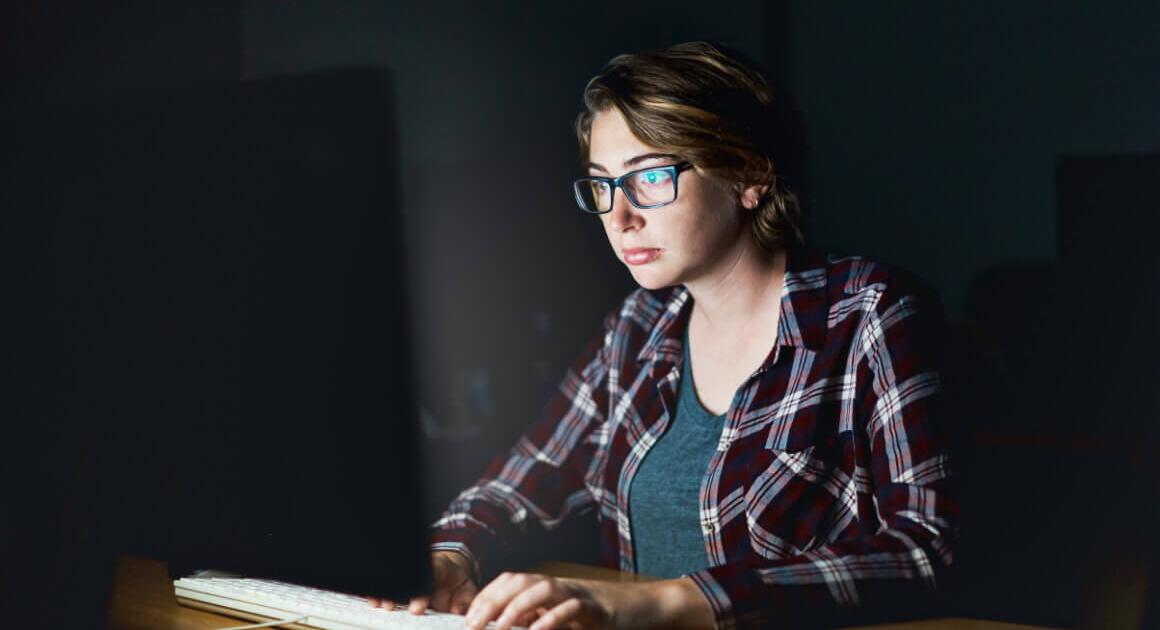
x: 611, y: 142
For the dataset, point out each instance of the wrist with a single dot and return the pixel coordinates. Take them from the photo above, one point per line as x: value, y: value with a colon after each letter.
x: 462, y: 560
x: 679, y: 603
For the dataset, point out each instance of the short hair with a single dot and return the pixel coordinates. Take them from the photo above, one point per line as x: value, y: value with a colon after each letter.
x: 712, y: 106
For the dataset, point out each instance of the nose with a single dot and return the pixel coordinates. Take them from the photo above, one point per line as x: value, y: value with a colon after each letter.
x: 623, y: 216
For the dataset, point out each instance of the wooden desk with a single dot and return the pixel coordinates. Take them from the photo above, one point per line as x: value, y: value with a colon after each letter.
x: 143, y: 600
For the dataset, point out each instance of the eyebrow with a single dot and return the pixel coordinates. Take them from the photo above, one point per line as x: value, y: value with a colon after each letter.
x: 632, y: 161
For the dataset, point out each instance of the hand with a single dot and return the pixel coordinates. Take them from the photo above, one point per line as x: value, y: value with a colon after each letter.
x: 520, y: 599
x: 545, y: 602
x: 454, y: 588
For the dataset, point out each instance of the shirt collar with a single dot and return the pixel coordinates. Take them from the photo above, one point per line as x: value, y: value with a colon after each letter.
x: 805, y: 301
x: 804, y: 310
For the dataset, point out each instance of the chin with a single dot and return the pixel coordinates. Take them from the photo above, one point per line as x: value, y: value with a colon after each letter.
x: 652, y: 281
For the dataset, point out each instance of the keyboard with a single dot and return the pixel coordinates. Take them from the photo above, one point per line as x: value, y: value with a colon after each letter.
x: 299, y: 606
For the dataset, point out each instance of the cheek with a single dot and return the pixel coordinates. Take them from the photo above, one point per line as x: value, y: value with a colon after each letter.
x: 729, y: 218
x: 718, y: 210
x: 709, y: 229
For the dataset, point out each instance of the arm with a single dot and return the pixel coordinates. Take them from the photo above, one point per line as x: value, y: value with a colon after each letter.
x: 542, y: 478
x: 911, y: 486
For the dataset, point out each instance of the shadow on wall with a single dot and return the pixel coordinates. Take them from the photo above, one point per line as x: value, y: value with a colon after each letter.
x: 1054, y: 388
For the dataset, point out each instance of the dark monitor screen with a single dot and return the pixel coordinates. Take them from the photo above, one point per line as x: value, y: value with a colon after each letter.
x: 218, y: 325
x: 311, y: 473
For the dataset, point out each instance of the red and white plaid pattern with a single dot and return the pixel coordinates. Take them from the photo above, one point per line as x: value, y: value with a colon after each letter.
x: 832, y: 477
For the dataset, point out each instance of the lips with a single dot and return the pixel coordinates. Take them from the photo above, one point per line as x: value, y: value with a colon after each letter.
x: 641, y: 255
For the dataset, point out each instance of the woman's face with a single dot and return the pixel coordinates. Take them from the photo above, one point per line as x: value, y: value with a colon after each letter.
x: 684, y: 242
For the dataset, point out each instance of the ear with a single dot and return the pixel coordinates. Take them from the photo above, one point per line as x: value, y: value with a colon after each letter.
x: 750, y: 196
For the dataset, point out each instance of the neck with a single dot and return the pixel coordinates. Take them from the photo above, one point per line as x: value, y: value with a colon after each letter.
x: 746, y: 288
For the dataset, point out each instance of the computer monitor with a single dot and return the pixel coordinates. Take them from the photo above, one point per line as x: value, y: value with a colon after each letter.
x: 303, y: 463
x: 218, y: 367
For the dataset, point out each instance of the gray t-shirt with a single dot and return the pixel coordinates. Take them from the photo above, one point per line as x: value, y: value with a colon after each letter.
x: 664, y: 499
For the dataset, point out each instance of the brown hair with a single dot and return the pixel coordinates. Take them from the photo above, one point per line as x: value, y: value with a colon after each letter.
x: 711, y: 105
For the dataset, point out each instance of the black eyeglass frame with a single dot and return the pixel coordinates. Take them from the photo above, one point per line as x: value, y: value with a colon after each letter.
x: 674, y: 170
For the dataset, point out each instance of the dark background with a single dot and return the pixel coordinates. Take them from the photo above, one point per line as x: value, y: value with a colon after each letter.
x: 1004, y: 151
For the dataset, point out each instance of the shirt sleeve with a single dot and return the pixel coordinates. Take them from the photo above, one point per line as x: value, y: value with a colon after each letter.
x: 542, y: 477
x: 913, y: 480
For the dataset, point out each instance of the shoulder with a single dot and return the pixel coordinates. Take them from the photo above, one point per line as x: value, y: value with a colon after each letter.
x: 886, y: 310
x: 833, y: 300
x: 853, y: 302
x: 876, y: 286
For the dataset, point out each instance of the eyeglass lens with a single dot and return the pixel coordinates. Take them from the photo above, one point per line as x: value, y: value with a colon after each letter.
x: 645, y: 188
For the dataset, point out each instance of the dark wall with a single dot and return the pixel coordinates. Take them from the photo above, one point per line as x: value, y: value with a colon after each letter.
x: 86, y: 293
x: 134, y: 43
x: 936, y: 127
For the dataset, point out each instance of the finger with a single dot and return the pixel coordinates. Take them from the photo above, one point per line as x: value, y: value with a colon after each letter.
x: 441, y: 599
x: 462, y: 598
x: 545, y: 593
x: 566, y: 612
x: 494, y: 597
x: 530, y: 618
x: 418, y: 605
x: 379, y: 602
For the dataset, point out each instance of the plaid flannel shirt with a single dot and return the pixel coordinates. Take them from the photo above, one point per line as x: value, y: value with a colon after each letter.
x: 832, y: 482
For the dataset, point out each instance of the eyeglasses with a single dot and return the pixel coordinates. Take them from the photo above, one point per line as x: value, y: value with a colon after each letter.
x: 646, y: 188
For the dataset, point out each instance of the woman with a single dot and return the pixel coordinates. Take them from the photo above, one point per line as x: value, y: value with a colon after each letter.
x: 757, y: 423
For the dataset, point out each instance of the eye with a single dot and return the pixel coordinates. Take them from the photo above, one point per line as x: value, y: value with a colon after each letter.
x: 657, y: 177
